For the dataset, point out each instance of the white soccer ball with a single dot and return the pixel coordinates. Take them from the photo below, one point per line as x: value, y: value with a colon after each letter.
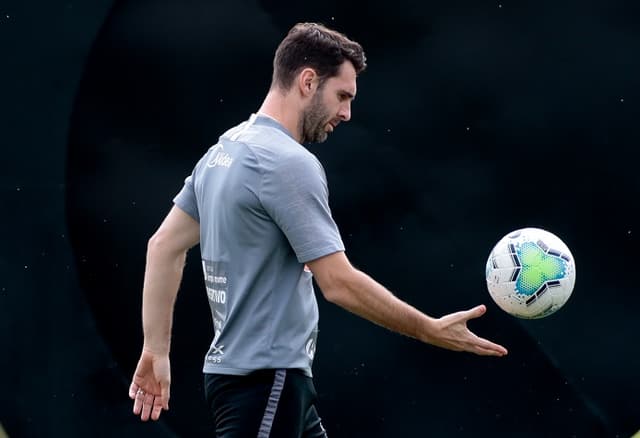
x: 530, y: 273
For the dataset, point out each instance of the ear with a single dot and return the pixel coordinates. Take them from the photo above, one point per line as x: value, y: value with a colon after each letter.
x: 307, y: 82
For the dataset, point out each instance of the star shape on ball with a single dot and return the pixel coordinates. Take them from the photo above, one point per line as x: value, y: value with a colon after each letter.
x: 537, y: 269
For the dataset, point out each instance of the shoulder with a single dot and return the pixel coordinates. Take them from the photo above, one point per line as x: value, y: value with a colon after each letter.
x: 283, y: 154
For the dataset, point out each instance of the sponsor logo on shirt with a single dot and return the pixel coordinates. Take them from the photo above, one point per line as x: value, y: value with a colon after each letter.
x: 217, y: 285
x: 219, y: 158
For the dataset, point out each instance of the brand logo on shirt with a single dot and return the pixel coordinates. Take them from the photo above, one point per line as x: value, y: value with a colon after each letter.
x: 215, y: 354
x: 219, y: 158
x: 217, y: 349
x: 311, y: 348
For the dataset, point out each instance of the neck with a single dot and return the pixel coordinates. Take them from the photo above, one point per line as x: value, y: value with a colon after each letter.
x: 285, y: 110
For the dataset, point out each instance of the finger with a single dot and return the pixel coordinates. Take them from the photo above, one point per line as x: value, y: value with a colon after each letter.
x: 157, y: 408
x: 485, y: 344
x: 147, y: 405
x: 476, y: 312
x: 486, y: 352
x: 133, y: 388
x: 138, y: 401
x: 165, y: 393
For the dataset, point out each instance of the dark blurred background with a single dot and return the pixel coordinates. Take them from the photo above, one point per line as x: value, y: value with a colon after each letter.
x: 475, y: 118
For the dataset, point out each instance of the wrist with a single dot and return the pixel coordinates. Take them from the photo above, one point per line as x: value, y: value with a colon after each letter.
x: 428, y: 329
x: 155, y: 350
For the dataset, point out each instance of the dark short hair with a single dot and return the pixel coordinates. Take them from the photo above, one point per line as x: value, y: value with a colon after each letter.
x: 318, y: 47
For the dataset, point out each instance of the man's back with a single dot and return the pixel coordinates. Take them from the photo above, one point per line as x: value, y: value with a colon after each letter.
x: 261, y: 200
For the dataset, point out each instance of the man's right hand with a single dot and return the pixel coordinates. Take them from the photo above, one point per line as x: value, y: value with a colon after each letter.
x: 451, y: 332
x: 149, y: 388
x: 355, y: 291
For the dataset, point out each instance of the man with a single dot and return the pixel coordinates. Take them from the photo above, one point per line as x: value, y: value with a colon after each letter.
x: 257, y: 203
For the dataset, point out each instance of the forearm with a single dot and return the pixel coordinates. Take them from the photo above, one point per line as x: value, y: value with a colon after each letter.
x: 365, y: 297
x: 162, y: 278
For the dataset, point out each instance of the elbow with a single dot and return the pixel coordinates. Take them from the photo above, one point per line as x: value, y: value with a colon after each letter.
x: 161, y: 245
x: 331, y: 294
x: 161, y: 252
x: 335, y: 276
x: 338, y: 288
x: 155, y: 243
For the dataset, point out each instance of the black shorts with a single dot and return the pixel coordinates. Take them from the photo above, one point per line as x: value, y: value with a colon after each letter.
x: 264, y: 404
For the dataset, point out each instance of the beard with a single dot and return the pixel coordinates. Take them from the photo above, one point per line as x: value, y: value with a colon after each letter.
x: 314, y: 120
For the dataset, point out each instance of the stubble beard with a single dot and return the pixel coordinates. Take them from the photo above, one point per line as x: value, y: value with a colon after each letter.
x: 314, y: 120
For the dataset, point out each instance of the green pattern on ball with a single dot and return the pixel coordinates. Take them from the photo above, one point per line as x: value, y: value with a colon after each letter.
x: 537, y: 268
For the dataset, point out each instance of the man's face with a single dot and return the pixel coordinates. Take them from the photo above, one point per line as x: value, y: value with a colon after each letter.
x: 330, y: 105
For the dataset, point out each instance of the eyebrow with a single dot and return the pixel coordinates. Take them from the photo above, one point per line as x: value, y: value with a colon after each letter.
x: 349, y: 95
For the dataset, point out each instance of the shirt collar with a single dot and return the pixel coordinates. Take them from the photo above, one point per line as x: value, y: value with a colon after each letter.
x: 265, y: 120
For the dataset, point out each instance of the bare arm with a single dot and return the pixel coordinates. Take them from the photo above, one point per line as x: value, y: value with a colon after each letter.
x: 355, y: 291
x: 166, y: 254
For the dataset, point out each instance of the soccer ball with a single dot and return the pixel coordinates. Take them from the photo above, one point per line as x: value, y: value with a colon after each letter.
x: 530, y: 273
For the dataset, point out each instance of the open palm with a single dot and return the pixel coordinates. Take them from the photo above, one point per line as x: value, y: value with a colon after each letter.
x: 453, y: 334
x: 150, y: 385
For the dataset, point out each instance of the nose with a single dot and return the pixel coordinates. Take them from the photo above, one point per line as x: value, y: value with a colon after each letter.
x: 345, y: 112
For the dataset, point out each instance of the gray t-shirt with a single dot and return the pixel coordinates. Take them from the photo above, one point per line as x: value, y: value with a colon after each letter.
x: 262, y: 203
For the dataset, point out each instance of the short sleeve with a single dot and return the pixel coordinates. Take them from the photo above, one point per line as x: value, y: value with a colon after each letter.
x: 186, y: 199
x: 295, y: 194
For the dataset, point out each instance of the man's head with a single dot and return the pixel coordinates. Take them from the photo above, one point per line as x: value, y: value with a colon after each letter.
x: 314, y: 46
x: 319, y: 66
